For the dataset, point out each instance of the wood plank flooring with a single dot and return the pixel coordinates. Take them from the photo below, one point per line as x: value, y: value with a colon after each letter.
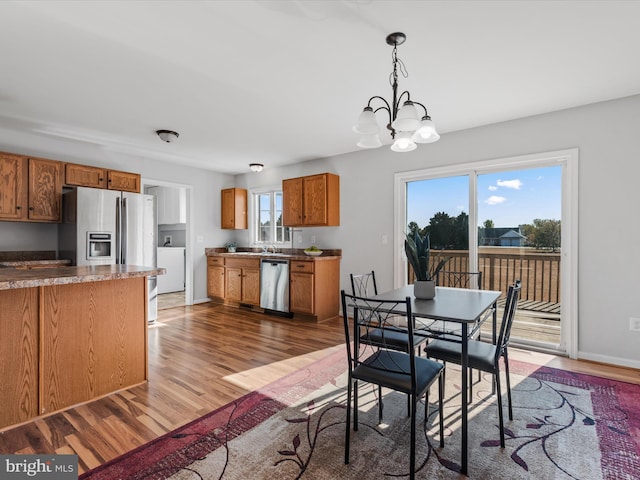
x: 200, y: 358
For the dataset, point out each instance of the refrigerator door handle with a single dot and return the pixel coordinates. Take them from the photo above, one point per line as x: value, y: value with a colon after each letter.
x: 118, y: 236
x: 125, y: 221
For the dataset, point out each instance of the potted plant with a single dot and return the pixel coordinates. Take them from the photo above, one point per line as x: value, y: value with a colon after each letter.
x: 418, y: 249
x: 231, y: 246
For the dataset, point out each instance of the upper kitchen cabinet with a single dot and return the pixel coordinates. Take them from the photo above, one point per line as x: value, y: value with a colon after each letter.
x: 13, y: 187
x: 172, y: 204
x: 124, y: 181
x: 31, y: 189
x: 85, y: 176
x: 234, y: 208
x: 96, y: 177
x: 45, y: 190
x: 311, y: 201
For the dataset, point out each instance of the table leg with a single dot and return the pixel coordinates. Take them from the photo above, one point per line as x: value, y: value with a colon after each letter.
x: 495, y: 337
x: 465, y: 381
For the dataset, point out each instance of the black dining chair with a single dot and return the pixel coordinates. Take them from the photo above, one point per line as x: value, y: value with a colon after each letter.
x: 382, y: 365
x: 485, y: 356
x: 364, y: 285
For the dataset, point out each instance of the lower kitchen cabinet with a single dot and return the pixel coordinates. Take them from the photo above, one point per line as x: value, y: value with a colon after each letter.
x: 242, y: 281
x: 314, y: 288
x: 215, y: 277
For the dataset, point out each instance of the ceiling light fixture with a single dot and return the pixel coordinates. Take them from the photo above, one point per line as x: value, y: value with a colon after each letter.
x: 256, y: 167
x: 167, y: 135
x: 406, y: 127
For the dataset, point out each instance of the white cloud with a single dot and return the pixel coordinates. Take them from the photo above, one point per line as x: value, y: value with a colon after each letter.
x: 492, y: 188
x: 515, y: 183
x: 495, y: 200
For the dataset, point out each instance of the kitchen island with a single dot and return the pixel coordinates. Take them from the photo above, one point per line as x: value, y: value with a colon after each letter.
x: 70, y: 335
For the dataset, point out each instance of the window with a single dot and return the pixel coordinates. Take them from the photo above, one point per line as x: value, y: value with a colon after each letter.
x: 268, y: 228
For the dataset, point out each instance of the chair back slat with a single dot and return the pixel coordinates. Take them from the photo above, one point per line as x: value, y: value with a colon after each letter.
x: 364, y: 285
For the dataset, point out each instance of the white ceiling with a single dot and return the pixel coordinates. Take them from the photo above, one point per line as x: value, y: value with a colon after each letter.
x: 279, y: 82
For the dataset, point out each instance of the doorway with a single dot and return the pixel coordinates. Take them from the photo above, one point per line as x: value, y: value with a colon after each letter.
x: 174, y: 242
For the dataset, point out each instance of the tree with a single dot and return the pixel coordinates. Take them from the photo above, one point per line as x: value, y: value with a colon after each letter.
x: 488, y: 224
x: 543, y: 233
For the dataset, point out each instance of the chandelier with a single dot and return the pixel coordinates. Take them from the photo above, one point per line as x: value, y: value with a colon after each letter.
x: 406, y: 126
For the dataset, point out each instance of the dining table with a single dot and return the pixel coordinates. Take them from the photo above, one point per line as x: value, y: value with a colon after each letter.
x: 462, y: 306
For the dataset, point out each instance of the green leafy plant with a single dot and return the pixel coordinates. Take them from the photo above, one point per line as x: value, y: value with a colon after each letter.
x: 418, y: 250
x: 231, y: 245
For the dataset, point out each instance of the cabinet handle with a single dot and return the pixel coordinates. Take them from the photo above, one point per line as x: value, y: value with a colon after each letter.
x: 18, y: 207
x: 31, y: 208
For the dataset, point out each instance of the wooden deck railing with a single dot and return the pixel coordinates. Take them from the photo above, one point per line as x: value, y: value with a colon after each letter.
x: 500, y: 266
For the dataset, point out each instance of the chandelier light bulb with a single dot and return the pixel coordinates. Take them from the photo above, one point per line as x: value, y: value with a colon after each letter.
x: 403, y: 143
x: 427, y: 131
x: 367, y: 123
x: 407, y: 119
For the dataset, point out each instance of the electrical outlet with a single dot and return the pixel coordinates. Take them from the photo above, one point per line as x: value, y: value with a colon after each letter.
x: 199, y: 239
x: 299, y: 237
x: 313, y: 239
x: 384, y: 239
x: 634, y: 324
x: 167, y: 241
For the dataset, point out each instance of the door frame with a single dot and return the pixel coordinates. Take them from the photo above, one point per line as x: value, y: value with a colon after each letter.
x: 568, y: 160
x: 188, y: 252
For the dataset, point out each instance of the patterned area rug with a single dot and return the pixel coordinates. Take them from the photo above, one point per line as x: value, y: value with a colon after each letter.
x: 566, y: 426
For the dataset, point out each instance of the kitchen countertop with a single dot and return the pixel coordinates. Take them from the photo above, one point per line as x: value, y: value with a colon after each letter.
x: 286, y: 253
x: 21, y: 277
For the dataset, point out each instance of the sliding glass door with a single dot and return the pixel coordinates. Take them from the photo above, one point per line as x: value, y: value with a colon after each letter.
x: 516, y: 209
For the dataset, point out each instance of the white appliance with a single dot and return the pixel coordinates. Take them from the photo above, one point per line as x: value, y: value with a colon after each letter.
x: 103, y: 227
x: 172, y: 260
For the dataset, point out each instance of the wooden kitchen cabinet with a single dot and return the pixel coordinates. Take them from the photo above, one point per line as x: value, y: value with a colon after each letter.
x: 85, y: 176
x: 96, y: 177
x: 31, y: 189
x: 13, y: 187
x: 314, y: 288
x: 242, y: 281
x: 215, y: 277
x: 123, y: 181
x: 19, y: 354
x: 311, y: 201
x: 234, y: 208
x: 45, y: 190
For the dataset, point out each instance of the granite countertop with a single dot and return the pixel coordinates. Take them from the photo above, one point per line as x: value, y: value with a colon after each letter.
x: 286, y: 253
x: 21, y: 276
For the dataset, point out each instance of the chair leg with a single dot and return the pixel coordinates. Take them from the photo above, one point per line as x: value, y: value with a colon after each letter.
x: 380, y: 405
x: 355, y: 406
x: 506, y: 369
x: 470, y: 400
x: 441, y: 407
x: 500, y: 417
x: 347, y: 436
x: 412, y: 455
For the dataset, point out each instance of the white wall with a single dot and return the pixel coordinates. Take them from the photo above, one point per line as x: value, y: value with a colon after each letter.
x: 206, y: 186
x: 609, y: 226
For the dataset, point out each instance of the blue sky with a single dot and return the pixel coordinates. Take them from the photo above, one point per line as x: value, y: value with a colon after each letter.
x: 508, y: 198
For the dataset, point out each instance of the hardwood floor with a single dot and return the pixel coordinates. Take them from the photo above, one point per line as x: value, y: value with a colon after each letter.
x: 200, y: 358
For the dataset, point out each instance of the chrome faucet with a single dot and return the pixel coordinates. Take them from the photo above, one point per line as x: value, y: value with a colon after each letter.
x: 273, y: 248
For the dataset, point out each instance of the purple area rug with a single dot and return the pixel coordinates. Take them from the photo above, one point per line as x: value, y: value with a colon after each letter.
x: 566, y: 426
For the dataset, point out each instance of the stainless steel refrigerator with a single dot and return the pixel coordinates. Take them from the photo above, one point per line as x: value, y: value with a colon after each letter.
x: 103, y: 227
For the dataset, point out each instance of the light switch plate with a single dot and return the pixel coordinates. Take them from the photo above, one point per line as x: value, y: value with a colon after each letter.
x: 634, y: 324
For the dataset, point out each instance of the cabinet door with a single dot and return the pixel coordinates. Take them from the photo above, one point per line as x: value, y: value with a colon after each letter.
x: 85, y: 176
x: 292, y: 202
x: 45, y: 190
x: 124, y: 181
x: 315, y: 200
x: 302, y: 293
x: 234, y: 208
x: 233, y: 284
x: 18, y: 355
x: 251, y: 286
x: 13, y: 187
x: 215, y: 282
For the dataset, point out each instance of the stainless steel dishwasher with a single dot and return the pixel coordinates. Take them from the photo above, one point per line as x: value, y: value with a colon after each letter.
x: 274, y: 285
